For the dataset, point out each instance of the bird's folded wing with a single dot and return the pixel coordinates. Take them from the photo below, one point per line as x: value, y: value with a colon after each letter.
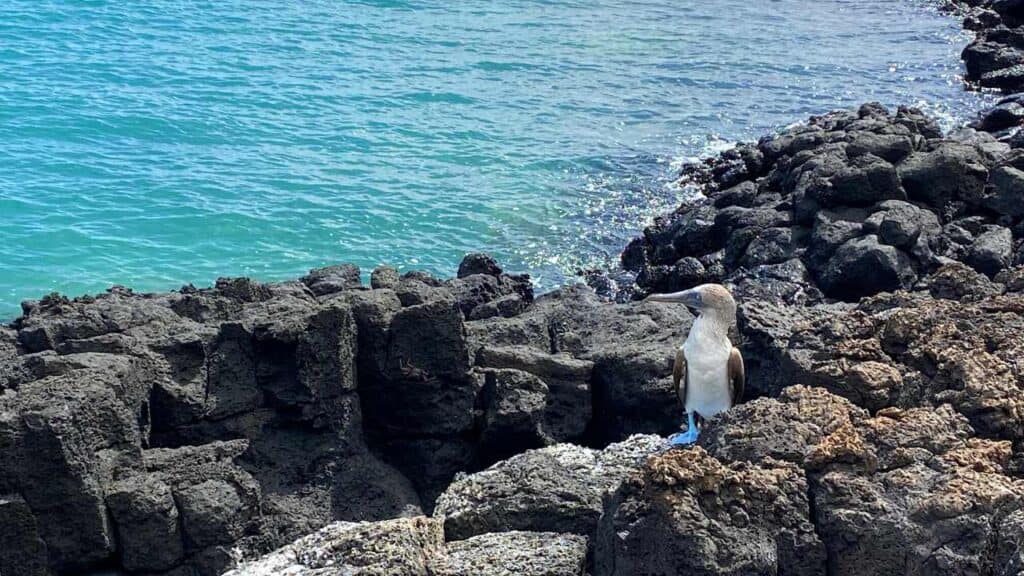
x: 737, y: 376
x: 679, y: 374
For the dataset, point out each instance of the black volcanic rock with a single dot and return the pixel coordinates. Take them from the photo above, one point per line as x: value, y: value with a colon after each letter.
x: 384, y: 277
x: 991, y: 251
x: 864, y: 266
x: 868, y: 200
x: 160, y: 432
x: 323, y: 281
x: 169, y: 433
x: 478, y: 263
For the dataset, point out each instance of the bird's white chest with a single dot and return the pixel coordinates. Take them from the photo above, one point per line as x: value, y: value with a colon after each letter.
x: 707, y: 361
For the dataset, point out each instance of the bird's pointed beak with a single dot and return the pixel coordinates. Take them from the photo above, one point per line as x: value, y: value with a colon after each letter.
x: 691, y: 298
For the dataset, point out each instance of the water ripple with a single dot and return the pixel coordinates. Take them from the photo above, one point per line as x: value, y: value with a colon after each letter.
x: 172, y: 142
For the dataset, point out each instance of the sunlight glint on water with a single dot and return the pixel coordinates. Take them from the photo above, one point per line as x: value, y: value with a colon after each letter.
x: 154, y: 144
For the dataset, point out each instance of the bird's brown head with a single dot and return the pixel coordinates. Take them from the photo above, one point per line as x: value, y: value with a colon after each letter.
x: 705, y: 300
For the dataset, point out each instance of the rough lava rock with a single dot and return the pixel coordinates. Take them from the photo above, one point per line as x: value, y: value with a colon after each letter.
x: 415, y: 547
x: 868, y: 201
x: 840, y: 492
x: 555, y: 489
x: 688, y: 513
x: 171, y: 432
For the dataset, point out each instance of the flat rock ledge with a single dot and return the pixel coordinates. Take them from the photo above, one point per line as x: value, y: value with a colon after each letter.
x: 416, y: 546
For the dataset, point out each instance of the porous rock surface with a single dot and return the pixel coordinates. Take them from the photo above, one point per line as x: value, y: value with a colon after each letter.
x: 416, y: 547
x: 994, y: 59
x: 174, y: 433
x: 554, y: 489
x: 847, y: 205
x: 810, y: 484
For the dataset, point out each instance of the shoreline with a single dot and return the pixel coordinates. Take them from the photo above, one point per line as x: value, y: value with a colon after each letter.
x: 205, y: 273
x: 428, y: 426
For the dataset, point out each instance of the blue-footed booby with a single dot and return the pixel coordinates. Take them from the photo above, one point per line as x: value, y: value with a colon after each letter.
x: 708, y: 372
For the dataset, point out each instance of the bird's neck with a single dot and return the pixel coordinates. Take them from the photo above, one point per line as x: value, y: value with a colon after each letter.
x: 710, y: 329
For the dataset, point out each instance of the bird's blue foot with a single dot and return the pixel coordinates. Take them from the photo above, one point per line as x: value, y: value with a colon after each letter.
x: 688, y: 437
x: 684, y: 438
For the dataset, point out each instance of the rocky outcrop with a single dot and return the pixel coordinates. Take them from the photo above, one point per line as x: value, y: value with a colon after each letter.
x: 463, y: 426
x: 686, y: 512
x: 805, y: 483
x: 848, y: 205
x: 176, y: 433
x: 810, y: 484
x: 994, y: 58
x: 170, y: 432
x: 961, y: 347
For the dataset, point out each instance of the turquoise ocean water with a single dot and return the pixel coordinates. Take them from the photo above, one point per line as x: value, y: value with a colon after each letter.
x: 158, y: 143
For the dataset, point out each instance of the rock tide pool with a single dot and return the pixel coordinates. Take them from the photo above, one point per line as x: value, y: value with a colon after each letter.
x: 415, y: 425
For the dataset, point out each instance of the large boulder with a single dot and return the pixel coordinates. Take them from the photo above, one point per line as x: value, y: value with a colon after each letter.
x: 864, y: 266
x: 428, y: 340
x: 477, y: 263
x: 567, y: 408
x: 911, y: 489
x: 555, y: 489
x: 324, y: 281
x: 1007, y: 195
x: 148, y: 524
x: 514, y: 403
x: 194, y: 500
x: 685, y: 512
x: 632, y: 347
x: 372, y: 311
x: 950, y: 171
x: 991, y: 251
x: 866, y: 180
x: 384, y: 277
x: 902, y: 224
x: 59, y: 437
x: 575, y: 342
